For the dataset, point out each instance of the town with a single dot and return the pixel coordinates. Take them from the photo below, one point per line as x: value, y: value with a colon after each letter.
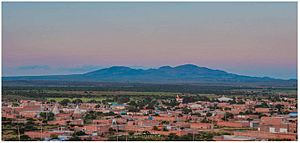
x: 178, y: 117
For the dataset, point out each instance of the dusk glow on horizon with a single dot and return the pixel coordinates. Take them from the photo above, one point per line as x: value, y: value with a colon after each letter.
x: 255, y: 39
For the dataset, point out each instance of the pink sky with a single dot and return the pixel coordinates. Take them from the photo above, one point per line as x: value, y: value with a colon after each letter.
x: 247, y: 38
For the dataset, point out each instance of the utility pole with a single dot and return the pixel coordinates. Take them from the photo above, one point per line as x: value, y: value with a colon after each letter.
x: 19, y: 136
x: 41, y: 130
x: 117, y: 132
x: 41, y: 136
x: 193, y: 135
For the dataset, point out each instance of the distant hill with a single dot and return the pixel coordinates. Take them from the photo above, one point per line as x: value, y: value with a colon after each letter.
x: 182, y: 74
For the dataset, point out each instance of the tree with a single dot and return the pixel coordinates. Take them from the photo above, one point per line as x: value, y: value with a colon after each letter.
x: 25, y: 138
x: 122, y: 99
x: 64, y: 102
x: 118, y: 116
x: 279, y: 107
x: 227, y: 116
x: 146, y: 133
x: 15, y: 104
x: 240, y: 102
x: 47, y: 116
x: 208, y: 114
x: 172, y: 137
x: 79, y: 133
x: 150, y: 106
x: 186, y: 110
x: 132, y: 103
x: 110, y: 113
x: 133, y: 109
x: 227, y: 108
x: 53, y: 101
x: 155, y: 128
x: 262, y: 105
x: 171, y: 103
x: 232, y: 101
x: 205, y: 120
x: 77, y: 101
x: 141, y: 104
x: 187, y: 99
x: 91, y: 115
x: 165, y: 129
x: 92, y: 101
x: 75, y: 138
x: 165, y: 122
x: 111, y: 130
x: 54, y: 136
x: 131, y: 133
x: 249, y: 119
x: 188, y: 137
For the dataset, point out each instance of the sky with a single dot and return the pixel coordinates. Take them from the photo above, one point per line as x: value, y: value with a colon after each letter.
x: 255, y: 39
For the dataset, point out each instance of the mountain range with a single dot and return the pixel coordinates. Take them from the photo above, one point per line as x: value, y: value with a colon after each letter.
x: 187, y: 73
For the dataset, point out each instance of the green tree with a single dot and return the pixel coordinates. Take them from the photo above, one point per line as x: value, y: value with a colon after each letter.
x: 186, y: 110
x: 208, y: 114
x: 25, y: 138
x: 64, y: 102
x: 53, y: 101
x: 227, y: 116
x: 47, y: 116
x: 75, y: 138
x: 77, y: 101
x: 54, y: 136
x: 133, y: 109
x: 15, y: 104
x: 122, y: 99
x: 131, y: 133
x: 92, y: 101
x: 132, y: 103
x: 279, y: 107
x: 79, y: 133
x: 172, y: 137
x: 155, y: 128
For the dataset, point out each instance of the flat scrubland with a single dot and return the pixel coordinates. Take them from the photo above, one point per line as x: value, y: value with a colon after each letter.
x: 136, y: 92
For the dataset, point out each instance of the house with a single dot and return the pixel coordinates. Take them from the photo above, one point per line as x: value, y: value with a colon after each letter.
x: 233, y: 124
x: 102, y: 121
x: 233, y: 138
x: 63, y: 116
x: 223, y: 105
x: 164, y: 118
x: 272, y: 120
x: 8, y: 115
x: 237, y: 108
x: 29, y: 114
x: 266, y: 135
x: 224, y: 99
x: 147, y: 123
x: 195, y: 106
x: 41, y: 135
x: 201, y: 125
x: 116, y: 106
x: 274, y: 125
x: 262, y: 110
x: 77, y: 122
x: 181, y: 124
x: 58, y: 122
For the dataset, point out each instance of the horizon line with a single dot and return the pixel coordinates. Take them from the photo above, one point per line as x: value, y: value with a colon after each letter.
x: 148, y: 68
